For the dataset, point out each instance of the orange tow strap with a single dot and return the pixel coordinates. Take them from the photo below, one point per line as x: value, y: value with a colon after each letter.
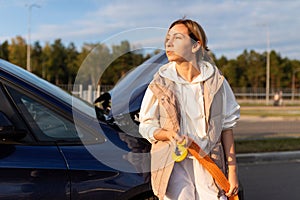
x: 212, y: 168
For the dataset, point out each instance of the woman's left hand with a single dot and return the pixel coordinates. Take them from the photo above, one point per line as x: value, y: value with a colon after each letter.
x: 233, y: 180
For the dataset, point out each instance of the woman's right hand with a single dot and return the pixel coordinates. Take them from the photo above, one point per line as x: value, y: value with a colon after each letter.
x: 178, y: 138
x: 162, y: 134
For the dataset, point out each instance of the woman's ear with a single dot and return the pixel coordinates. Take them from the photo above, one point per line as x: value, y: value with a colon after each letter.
x: 196, y: 46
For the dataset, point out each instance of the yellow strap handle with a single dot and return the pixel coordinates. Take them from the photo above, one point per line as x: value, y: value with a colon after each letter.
x: 212, y: 168
x: 180, y: 152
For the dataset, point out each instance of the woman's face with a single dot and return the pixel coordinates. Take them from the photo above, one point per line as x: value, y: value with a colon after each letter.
x: 178, y: 44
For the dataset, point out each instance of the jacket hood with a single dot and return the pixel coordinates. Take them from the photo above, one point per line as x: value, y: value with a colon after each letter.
x: 169, y: 71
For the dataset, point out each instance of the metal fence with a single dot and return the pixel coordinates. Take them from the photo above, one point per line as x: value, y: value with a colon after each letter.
x: 260, y: 93
x: 257, y: 95
x: 88, y: 93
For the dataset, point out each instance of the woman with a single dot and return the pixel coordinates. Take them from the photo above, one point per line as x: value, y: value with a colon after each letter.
x: 189, y: 100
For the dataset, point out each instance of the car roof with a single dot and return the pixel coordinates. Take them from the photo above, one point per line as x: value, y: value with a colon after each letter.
x: 30, y: 81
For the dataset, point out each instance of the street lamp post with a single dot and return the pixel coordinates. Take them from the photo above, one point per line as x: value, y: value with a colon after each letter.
x: 268, y: 67
x: 30, y: 6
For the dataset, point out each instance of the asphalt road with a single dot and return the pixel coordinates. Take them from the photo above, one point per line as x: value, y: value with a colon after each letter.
x: 260, y: 127
x: 273, y: 177
x: 270, y: 180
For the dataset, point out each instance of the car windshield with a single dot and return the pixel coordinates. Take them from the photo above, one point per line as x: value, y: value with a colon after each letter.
x: 51, y: 89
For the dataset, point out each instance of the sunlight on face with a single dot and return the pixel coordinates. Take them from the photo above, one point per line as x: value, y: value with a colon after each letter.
x: 178, y: 44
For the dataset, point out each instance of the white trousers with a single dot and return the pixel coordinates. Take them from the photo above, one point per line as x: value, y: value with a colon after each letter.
x: 190, y: 181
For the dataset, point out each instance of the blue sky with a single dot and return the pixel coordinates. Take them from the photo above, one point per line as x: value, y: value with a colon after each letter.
x: 231, y: 25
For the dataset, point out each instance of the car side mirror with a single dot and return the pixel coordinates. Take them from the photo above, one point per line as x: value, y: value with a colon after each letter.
x: 102, y: 106
x: 8, y: 130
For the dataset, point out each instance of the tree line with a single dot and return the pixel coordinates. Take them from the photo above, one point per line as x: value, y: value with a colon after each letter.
x: 59, y: 64
x: 248, y: 70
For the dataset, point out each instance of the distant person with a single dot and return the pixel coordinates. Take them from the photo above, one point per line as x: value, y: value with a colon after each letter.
x: 189, y: 100
x: 277, y: 99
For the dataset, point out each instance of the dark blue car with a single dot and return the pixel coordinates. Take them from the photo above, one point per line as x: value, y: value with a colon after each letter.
x: 54, y: 147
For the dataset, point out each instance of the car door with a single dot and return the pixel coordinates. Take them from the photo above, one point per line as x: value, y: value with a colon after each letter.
x: 32, y: 166
x: 55, y: 163
x: 93, y: 170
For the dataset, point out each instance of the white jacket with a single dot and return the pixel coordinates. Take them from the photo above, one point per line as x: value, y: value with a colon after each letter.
x: 190, y: 97
x: 201, y: 109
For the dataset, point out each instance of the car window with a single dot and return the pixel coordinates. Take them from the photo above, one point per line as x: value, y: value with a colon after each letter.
x: 50, y: 123
x: 46, y: 122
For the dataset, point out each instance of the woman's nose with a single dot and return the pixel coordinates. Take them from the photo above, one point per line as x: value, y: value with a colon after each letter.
x: 169, y: 43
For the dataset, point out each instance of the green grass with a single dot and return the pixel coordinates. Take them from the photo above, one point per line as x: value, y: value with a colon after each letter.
x: 270, y: 111
x: 267, y: 145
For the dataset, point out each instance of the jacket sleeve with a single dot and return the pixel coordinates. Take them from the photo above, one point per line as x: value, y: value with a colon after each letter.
x: 231, y: 110
x: 149, y: 116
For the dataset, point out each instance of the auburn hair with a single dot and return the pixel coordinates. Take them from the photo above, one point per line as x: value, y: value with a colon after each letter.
x: 196, y: 32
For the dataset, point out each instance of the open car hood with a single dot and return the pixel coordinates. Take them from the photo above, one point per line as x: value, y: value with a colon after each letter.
x: 127, y: 95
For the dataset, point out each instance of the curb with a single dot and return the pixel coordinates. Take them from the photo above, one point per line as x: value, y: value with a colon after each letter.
x: 268, y: 157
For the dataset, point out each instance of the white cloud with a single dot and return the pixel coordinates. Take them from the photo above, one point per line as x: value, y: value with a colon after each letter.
x: 231, y: 25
